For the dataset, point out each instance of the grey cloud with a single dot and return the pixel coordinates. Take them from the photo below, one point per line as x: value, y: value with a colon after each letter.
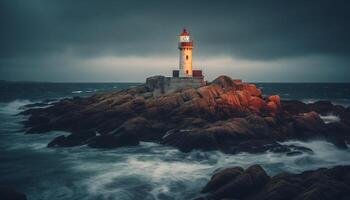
x: 258, y: 29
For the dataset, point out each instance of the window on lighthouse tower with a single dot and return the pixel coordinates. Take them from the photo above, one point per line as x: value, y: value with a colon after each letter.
x: 186, y: 57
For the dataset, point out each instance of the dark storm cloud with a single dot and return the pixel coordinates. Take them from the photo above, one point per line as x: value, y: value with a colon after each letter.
x: 259, y: 30
x: 252, y: 29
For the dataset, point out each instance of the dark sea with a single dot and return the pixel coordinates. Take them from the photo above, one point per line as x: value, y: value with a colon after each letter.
x: 149, y: 171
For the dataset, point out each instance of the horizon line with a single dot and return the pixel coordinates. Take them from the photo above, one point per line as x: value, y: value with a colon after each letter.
x: 139, y: 82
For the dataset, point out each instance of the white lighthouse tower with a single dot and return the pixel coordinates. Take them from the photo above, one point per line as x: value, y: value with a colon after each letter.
x: 185, y: 47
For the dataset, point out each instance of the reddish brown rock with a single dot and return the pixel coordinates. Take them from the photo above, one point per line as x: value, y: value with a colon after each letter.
x: 272, y: 107
x: 276, y: 99
x: 256, y: 103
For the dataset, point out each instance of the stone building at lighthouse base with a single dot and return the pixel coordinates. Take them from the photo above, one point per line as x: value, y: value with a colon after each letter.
x: 163, y: 85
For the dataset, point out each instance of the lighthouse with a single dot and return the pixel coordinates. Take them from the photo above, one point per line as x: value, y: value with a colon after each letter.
x: 184, y: 76
x: 185, y: 58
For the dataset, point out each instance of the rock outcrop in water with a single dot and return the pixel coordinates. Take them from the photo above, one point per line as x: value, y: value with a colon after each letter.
x: 226, y: 115
x: 254, y: 184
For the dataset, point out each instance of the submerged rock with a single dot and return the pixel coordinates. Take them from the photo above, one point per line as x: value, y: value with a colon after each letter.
x: 254, y: 184
x: 112, y: 141
x: 74, y: 139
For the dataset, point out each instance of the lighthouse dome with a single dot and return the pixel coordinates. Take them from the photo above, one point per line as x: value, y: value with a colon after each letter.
x: 185, y: 33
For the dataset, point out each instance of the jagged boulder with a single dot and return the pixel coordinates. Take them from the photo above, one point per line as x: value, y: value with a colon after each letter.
x: 275, y: 99
x: 254, y: 183
x: 236, y: 182
x: 225, y: 82
x: 273, y: 104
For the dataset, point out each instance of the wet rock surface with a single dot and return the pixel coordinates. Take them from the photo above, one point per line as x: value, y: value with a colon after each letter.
x: 254, y: 184
x: 227, y: 115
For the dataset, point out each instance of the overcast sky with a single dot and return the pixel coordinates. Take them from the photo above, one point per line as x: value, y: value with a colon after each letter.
x: 119, y: 41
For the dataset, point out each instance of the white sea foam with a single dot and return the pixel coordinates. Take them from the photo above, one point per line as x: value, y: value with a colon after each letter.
x: 77, y: 92
x: 341, y: 102
x: 12, y: 107
x: 330, y: 118
x: 310, y: 100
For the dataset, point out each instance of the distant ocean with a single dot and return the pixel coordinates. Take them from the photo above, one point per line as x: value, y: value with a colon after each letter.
x: 149, y: 171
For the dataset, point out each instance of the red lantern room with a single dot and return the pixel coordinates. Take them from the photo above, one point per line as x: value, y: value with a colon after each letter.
x: 185, y: 40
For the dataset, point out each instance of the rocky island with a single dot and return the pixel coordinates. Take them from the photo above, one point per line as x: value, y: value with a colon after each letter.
x: 223, y: 115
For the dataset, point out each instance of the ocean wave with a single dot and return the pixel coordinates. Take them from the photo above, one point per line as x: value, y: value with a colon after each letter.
x: 330, y: 118
x: 311, y: 100
x: 13, y: 107
x: 77, y: 92
x: 150, y: 178
x: 325, y: 155
x: 153, y: 171
x: 18, y: 140
x: 341, y: 102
